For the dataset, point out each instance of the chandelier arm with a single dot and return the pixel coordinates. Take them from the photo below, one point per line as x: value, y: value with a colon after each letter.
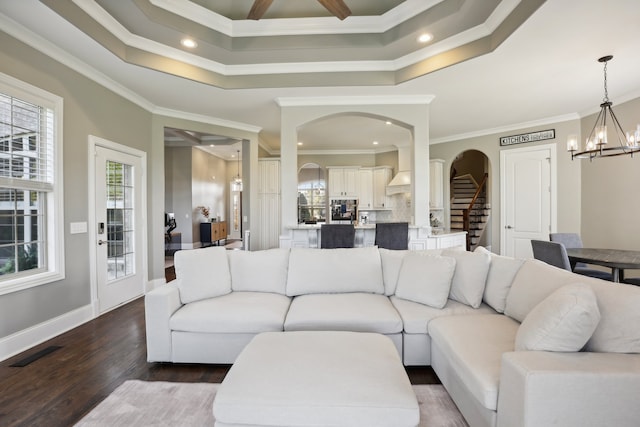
x: 595, y: 125
x: 618, y: 130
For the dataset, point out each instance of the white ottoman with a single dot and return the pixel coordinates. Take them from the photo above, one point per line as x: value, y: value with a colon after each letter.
x: 312, y: 378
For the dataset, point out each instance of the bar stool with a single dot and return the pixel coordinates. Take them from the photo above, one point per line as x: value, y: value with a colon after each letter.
x: 392, y: 235
x: 337, y: 236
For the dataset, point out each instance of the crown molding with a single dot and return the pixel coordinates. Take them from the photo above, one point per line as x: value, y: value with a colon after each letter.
x: 206, y: 119
x: 507, y: 128
x: 49, y: 49
x: 310, y: 101
x: 299, y: 26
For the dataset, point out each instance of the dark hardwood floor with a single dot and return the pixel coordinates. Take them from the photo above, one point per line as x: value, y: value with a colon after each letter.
x: 63, y: 385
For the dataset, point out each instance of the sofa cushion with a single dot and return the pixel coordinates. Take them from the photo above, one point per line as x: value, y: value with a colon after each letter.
x: 357, y: 312
x: 391, y: 263
x: 416, y: 316
x: 259, y: 271
x: 534, y: 282
x: 426, y: 279
x: 474, y: 345
x: 563, y: 321
x: 470, y: 276
x: 202, y: 273
x: 502, y: 271
x: 315, y: 271
x: 617, y: 331
x: 237, y: 312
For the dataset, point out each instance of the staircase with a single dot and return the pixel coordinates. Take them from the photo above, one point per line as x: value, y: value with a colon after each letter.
x: 463, y: 190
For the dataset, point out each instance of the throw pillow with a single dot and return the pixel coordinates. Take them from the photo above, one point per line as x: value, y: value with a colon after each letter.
x: 426, y: 279
x: 470, y: 277
x: 502, y: 271
x: 391, y: 263
x: 564, y: 321
x: 202, y: 273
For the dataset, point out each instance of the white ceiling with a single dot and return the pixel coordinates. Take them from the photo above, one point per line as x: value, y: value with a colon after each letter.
x: 545, y: 70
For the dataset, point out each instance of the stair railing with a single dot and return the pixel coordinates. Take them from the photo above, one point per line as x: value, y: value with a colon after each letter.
x: 466, y: 224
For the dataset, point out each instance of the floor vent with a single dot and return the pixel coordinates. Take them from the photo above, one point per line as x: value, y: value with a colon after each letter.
x: 35, y: 356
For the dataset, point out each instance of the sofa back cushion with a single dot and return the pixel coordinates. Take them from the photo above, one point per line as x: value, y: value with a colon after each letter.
x: 617, y: 331
x: 259, y: 271
x: 392, y: 262
x: 317, y: 271
x: 502, y: 271
x: 534, y: 282
x: 470, y: 276
x: 426, y: 279
x: 202, y: 273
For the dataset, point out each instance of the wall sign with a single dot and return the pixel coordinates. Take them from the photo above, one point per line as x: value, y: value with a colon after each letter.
x: 528, y: 137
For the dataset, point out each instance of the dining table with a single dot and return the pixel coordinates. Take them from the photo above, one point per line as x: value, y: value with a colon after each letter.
x: 616, y: 259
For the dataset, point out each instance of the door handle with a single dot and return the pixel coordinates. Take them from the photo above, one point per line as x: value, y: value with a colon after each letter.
x: 102, y: 242
x: 508, y: 227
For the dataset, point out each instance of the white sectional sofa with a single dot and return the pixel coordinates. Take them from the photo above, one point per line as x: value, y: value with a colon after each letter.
x: 515, y: 343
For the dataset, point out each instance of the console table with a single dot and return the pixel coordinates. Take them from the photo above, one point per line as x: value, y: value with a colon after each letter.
x: 211, y: 232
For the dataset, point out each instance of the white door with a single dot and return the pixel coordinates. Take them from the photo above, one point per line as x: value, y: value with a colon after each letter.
x: 527, y: 177
x: 119, y: 227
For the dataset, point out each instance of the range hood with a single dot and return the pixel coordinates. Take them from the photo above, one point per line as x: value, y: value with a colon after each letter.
x: 401, y: 183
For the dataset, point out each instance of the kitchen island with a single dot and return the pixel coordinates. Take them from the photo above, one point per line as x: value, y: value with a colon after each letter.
x: 309, y: 235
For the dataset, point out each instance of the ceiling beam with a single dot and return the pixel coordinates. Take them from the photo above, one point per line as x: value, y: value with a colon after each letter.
x: 337, y: 8
x: 258, y: 9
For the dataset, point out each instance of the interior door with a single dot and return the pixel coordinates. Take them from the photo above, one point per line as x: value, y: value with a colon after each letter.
x: 527, y: 193
x: 119, y: 227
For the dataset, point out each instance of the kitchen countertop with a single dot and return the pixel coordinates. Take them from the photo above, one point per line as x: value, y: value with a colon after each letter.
x: 371, y: 227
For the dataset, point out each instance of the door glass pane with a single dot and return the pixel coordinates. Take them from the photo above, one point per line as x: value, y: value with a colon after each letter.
x: 120, y: 224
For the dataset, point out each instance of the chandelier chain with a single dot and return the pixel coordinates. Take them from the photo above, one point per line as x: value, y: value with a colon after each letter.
x: 606, y: 90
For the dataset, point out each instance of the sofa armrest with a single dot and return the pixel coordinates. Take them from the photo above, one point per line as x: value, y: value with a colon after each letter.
x: 159, y: 305
x: 569, y: 389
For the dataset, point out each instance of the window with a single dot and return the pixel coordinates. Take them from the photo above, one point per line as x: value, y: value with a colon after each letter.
x: 311, y: 194
x: 31, y: 237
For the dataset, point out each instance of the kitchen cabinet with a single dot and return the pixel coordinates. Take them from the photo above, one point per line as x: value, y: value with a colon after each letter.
x: 365, y: 189
x: 372, y: 190
x: 343, y: 182
x: 436, y: 184
x: 265, y: 234
x: 381, y: 177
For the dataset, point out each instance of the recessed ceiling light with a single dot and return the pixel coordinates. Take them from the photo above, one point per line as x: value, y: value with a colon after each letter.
x: 388, y: 122
x: 425, y: 37
x: 375, y: 142
x: 299, y: 143
x: 211, y: 145
x: 188, y: 43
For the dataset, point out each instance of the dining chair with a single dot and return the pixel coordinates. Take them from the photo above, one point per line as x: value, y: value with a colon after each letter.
x: 392, y: 235
x: 337, y: 236
x: 573, y: 240
x: 552, y: 253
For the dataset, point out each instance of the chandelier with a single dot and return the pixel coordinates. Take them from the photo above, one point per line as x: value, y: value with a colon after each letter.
x: 606, y: 125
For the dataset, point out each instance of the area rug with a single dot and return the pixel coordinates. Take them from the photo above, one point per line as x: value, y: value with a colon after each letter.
x: 157, y: 403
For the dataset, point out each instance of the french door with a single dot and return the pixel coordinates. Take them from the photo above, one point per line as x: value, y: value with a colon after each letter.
x: 119, y: 227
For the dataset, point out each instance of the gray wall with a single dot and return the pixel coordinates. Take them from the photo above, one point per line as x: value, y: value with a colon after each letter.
x: 610, y: 192
x: 568, y: 195
x: 89, y: 109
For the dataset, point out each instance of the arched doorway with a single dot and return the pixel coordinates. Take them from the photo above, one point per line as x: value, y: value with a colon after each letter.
x: 470, y: 205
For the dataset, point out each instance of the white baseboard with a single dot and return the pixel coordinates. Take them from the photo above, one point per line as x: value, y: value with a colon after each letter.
x: 25, y: 339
